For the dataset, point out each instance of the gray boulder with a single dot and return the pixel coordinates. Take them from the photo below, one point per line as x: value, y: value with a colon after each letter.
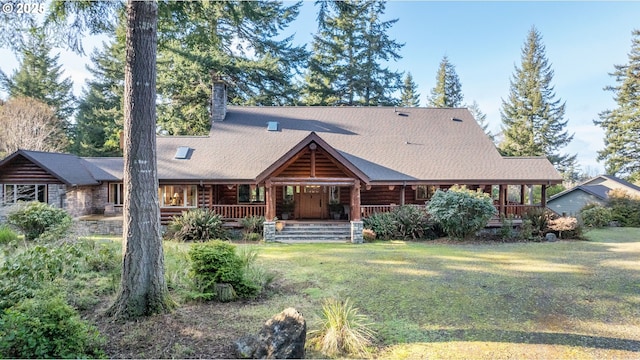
x: 281, y: 337
x: 551, y: 237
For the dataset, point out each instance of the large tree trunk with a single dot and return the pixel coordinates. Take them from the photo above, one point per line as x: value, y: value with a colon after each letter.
x: 143, y: 290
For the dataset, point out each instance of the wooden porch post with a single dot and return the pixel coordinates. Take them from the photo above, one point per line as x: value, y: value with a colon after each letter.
x: 402, y: 189
x: 501, y: 199
x: 355, y: 202
x: 543, y: 196
x: 270, y: 201
x: 522, y: 194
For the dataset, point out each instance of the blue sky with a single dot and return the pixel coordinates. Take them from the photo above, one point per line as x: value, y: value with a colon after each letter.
x: 483, y: 40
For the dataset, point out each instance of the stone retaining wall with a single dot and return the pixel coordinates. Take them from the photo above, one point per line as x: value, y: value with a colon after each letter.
x: 104, y: 226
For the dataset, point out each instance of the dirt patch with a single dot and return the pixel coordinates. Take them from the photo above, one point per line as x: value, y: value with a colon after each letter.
x: 191, y: 331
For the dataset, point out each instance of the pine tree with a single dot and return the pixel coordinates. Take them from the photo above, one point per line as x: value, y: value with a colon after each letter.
x: 39, y: 76
x: 622, y: 124
x: 448, y: 90
x: 345, y: 68
x: 481, y: 118
x: 532, y: 119
x: 409, y: 96
x: 100, y: 116
x: 236, y: 39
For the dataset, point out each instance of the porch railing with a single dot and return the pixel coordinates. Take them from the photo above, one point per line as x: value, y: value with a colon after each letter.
x: 239, y: 211
x: 517, y: 211
x: 514, y: 210
x: 368, y: 210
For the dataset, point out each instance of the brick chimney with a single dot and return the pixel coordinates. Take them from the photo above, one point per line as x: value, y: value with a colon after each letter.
x: 218, y: 98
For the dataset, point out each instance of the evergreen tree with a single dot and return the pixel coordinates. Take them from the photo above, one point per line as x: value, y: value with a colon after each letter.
x: 481, y: 118
x: 345, y: 68
x: 237, y: 39
x: 39, y: 76
x: 409, y: 96
x: 100, y: 117
x: 532, y: 119
x: 448, y: 90
x: 622, y: 124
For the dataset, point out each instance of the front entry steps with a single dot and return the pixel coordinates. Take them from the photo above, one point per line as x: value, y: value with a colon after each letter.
x: 314, y: 231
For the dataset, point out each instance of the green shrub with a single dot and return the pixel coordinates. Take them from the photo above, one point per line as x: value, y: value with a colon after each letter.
x: 253, y: 224
x: 47, y: 328
x: 403, y: 222
x: 252, y: 237
x: 197, y: 225
x: 506, y: 231
x: 215, y: 266
x: 625, y: 209
x: 538, y: 218
x: 35, y: 219
x: 461, y: 212
x: 596, y: 216
x: 341, y: 330
x: 24, y: 273
x: 7, y: 235
x: 382, y: 224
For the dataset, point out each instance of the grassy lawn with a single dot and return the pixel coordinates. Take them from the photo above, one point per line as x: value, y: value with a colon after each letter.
x: 568, y: 299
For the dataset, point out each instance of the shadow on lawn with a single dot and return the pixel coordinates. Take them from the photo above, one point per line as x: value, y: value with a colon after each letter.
x: 523, y: 337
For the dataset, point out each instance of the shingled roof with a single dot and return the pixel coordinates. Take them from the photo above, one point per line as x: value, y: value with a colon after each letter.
x: 69, y: 169
x: 439, y: 145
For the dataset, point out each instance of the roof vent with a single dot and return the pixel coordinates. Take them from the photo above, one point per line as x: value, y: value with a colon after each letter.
x: 456, y: 119
x: 403, y: 114
x: 182, y: 152
x: 273, y: 126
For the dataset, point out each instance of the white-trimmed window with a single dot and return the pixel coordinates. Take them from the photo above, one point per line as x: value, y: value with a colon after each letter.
x: 334, y: 194
x: 12, y: 193
x: 178, y: 195
x: 116, y: 194
x: 289, y: 192
x: 425, y: 192
x: 250, y: 194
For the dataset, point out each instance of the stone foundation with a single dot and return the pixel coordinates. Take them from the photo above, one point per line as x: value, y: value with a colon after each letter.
x: 356, y: 232
x: 269, y: 232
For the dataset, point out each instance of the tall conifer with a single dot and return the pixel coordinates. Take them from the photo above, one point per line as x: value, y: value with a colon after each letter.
x: 100, y: 116
x: 39, y: 76
x: 532, y: 118
x: 409, y: 96
x: 448, y: 90
x: 621, y: 154
x: 347, y: 54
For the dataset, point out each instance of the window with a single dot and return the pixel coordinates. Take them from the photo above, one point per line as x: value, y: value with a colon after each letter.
x: 424, y: 192
x: 312, y: 189
x: 289, y: 191
x: 116, y: 194
x: 250, y: 194
x: 14, y: 193
x: 334, y: 194
x: 178, y: 195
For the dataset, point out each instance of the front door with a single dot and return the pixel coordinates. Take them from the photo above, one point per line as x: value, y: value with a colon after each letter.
x: 312, y: 202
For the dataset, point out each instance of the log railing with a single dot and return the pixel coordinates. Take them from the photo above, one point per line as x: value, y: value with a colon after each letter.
x: 239, y: 211
x: 516, y: 211
x: 368, y: 210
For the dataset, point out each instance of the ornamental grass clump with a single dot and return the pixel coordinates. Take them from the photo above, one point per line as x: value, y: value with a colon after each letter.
x: 461, y: 212
x: 342, y: 330
x: 196, y: 225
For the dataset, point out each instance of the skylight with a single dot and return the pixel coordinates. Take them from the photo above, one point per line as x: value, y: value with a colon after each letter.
x: 273, y: 126
x: 182, y: 152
